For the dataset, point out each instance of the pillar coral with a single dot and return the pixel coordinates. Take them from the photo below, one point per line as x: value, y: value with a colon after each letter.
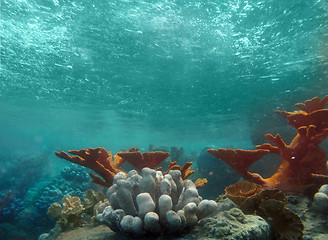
x: 303, y: 162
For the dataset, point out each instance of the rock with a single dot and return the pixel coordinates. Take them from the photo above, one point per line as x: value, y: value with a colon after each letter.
x: 232, y: 225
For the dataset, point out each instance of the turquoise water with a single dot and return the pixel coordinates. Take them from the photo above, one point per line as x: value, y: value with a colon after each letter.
x: 123, y: 73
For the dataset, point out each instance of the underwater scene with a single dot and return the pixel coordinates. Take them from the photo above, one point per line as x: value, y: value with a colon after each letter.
x: 163, y: 119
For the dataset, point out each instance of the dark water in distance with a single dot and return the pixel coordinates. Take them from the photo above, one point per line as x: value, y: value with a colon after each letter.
x: 128, y: 73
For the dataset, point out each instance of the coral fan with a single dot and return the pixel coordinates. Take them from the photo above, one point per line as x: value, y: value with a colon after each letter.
x: 303, y: 162
x: 97, y: 159
x: 100, y: 161
x: 140, y: 160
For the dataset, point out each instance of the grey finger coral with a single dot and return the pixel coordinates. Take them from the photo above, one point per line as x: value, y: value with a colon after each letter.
x: 153, y: 203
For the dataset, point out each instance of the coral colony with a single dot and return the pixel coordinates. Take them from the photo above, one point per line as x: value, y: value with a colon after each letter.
x: 100, y: 161
x: 153, y: 202
x: 303, y: 162
x: 148, y: 201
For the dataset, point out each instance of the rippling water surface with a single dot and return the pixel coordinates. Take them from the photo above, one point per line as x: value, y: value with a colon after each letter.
x: 122, y: 72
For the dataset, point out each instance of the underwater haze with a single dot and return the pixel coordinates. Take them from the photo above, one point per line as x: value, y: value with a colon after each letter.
x: 131, y: 73
x: 124, y: 73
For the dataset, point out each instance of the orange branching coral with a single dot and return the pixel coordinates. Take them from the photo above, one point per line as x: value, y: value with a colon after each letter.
x: 140, y: 160
x: 185, y: 173
x: 185, y: 169
x: 200, y: 182
x: 100, y: 161
x: 303, y: 160
x: 313, y: 104
x: 241, y: 160
x: 97, y: 159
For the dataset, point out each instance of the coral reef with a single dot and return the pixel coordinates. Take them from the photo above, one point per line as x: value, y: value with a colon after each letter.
x: 100, y: 161
x: 55, y: 190
x: 153, y: 203
x: 233, y: 224
x: 303, y: 162
x: 269, y: 204
x: 206, y: 166
x: 69, y: 214
x: 228, y: 225
x: 10, y: 207
x: 74, y: 214
x: 91, y: 198
x: 74, y: 173
x: 19, y: 173
x: 141, y: 160
x: 97, y: 159
x: 315, y: 222
x: 227, y: 222
x: 21, y: 180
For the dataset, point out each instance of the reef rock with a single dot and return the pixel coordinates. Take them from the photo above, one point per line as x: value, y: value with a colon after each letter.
x: 227, y: 222
x: 232, y: 224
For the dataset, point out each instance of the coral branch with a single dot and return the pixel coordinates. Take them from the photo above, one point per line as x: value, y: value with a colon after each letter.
x: 97, y: 159
x: 186, y: 172
x: 199, y: 183
x: 284, y: 114
x: 320, y: 179
x: 147, y: 159
x: 185, y: 169
x: 303, y: 162
x: 240, y: 160
x: 313, y: 104
x: 281, y: 148
x: 269, y: 147
x: 317, y: 118
x: 307, y: 107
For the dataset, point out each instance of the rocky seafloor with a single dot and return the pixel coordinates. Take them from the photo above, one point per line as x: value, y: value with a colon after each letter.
x: 228, y: 222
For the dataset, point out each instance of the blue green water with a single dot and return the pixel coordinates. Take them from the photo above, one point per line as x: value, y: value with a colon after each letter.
x: 123, y: 73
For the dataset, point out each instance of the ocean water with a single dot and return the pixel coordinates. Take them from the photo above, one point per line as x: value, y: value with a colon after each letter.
x: 123, y: 73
